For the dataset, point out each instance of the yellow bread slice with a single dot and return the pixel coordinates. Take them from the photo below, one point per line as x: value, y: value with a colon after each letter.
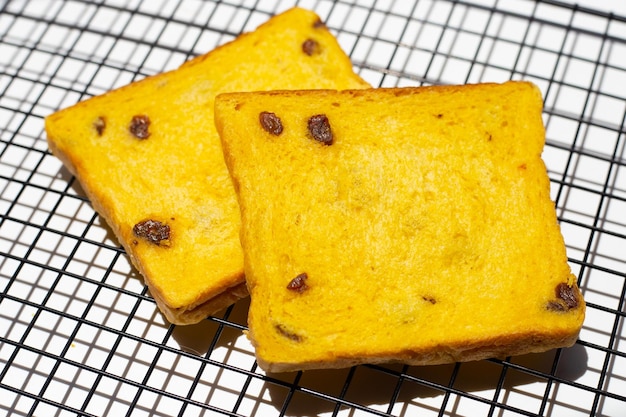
x: 150, y: 161
x: 422, y: 233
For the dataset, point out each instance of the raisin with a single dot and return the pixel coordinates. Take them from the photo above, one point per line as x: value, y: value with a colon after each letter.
x: 139, y: 126
x: 298, y: 284
x: 429, y: 299
x: 288, y: 334
x: 99, y: 125
x: 567, y: 298
x: 555, y: 306
x: 319, y: 24
x: 153, y: 231
x: 271, y: 123
x: 319, y: 128
x: 567, y: 294
x: 310, y: 47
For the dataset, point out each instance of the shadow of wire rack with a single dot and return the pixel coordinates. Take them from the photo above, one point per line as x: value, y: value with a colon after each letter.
x: 79, y: 335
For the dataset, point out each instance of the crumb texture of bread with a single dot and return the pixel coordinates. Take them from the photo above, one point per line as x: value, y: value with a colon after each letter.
x: 149, y: 158
x: 423, y: 232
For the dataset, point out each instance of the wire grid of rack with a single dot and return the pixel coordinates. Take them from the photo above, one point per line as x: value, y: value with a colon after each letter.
x: 80, y: 335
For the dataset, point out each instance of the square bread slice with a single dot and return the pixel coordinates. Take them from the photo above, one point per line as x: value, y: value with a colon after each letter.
x: 408, y: 225
x: 148, y: 157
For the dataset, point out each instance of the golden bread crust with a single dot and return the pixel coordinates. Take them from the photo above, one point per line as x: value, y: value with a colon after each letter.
x: 149, y: 158
x: 409, y: 224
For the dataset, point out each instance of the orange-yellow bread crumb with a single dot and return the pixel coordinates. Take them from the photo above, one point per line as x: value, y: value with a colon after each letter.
x: 150, y: 160
x: 398, y: 225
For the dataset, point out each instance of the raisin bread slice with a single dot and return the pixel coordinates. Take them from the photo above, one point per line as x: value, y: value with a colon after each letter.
x: 405, y: 225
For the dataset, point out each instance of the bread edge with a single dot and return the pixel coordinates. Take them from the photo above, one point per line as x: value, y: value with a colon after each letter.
x: 497, y: 348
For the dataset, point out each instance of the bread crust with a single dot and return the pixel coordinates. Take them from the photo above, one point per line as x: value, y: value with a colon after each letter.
x: 501, y: 347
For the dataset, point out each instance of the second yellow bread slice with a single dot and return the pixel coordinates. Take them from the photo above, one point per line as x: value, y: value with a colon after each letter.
x: 398, y: 225
x: 150, y: 161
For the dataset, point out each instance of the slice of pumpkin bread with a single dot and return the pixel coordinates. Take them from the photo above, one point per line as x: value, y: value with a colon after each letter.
x: 397, y: 225
x: 150, y: 160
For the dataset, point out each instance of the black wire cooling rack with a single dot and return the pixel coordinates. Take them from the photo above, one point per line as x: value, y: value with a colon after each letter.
x: 80, y: 335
